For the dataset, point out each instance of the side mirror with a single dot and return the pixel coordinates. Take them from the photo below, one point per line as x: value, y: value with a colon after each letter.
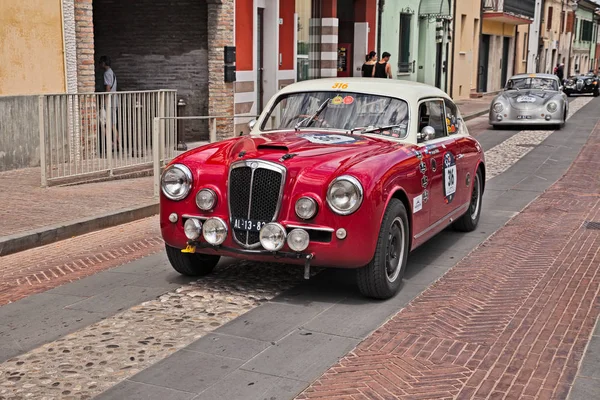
x: 560, y: 88
x: 251, y: 124
x: 427, y: 133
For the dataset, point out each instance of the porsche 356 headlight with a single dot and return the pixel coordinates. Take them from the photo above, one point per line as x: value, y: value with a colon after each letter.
x: 176, y: 182
x: 345, y: 195
x: 552, y: 107
x: 498, y: 107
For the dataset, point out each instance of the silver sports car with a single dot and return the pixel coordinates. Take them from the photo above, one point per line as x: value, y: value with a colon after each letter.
x: 530, y: 99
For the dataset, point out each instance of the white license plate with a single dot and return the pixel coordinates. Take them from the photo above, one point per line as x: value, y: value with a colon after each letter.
x: 247, y: 225
x: 524, y: 117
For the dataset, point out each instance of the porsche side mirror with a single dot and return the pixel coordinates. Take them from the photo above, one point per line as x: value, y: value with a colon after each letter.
x: 427, y: 133
x: 251, y: 124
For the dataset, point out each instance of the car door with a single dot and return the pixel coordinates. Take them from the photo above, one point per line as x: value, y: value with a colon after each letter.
x: 440, y: 154
x: 466, y: 153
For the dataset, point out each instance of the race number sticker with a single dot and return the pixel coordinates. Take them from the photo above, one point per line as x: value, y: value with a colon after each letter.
x: 450, y: 177
x: 329, y: 139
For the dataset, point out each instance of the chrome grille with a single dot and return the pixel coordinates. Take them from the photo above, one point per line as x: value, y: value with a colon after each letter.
x: 579, y: 84
x: 255, y: 191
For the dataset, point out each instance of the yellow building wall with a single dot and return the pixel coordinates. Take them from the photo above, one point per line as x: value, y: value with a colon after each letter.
x: 522, y: 49
x: 31, y: 47
x: 466, y: 48
x: 497, y: 28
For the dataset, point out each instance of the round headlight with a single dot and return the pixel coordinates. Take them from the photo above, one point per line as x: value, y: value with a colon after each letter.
x: 588, y: 81
x: 214, y: 231
x: 306, y: 208
x: 552, y: 107
x: 345, y: 195
x: 192, y: 228
x: 298, y: 240
x: 272, y: 236
x: 206, y: 199
x: 498, y: 107
x: 176, y: 182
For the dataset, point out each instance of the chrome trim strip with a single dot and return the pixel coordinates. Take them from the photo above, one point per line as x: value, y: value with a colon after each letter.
x: 310, y: 228
x: 194, y: 216
x: 462, y: 209
x: 259, y: 164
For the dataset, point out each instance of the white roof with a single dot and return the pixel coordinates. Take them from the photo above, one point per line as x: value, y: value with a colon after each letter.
x: 407, y: 90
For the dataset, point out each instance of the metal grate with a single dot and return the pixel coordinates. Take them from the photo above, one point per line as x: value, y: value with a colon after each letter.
x: 591, y: 225
x: 254, y: 195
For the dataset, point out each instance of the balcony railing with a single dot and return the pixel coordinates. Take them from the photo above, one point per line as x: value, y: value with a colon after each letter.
x: 523, y: 8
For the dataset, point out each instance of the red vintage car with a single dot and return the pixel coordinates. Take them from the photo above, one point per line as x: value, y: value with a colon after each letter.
x: 351, y: 173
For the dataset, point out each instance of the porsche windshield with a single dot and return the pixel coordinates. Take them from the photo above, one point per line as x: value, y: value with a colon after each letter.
x: 532, y: 83
x: 339, y: 111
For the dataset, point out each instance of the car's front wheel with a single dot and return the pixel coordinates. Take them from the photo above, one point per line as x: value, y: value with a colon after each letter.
x: 191, y: 264
x: 596, y: 92
x: 469, y: 221
x: 382, y: 277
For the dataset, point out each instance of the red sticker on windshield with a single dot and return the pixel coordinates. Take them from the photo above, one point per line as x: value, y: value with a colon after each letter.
x: 348, y: 100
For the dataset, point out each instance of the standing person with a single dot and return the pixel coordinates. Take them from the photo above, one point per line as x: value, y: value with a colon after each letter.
x: 368, y: 68
x: 383, y: 69
x: 560, y: 72
x: 110, y: 85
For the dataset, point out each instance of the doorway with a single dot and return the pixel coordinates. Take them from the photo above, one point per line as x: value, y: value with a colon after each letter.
x: 260, y: 90
x: 484, y: 58
x: 438, y: 65
x: 505, y: 53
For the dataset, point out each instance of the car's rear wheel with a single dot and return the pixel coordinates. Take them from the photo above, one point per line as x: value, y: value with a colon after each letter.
x: 191, y: 264
x: 382, y: 277
x: 469, y: 221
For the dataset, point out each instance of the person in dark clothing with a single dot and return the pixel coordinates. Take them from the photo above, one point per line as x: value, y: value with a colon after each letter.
x: 383, y: 69
x: 560, y: 72
x: 368, y: 68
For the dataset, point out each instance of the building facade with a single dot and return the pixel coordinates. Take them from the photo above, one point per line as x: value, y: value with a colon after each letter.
x: 467, y: 28
x: 550, y: 33
x: 583, y: 37
x: 418, y: 34
x: 498, y: 40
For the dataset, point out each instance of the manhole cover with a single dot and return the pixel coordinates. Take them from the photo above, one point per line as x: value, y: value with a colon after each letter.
x: 591, y: 225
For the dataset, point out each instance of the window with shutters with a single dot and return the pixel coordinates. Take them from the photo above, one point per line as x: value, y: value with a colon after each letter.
x: 586, y: 31
x: 549, y: 19
x: 404, y: 50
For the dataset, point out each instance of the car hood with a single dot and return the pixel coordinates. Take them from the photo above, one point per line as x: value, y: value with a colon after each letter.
x: 528, y: 99
x: 311, y: 155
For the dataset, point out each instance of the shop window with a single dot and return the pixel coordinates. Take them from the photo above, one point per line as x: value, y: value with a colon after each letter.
x: 404, y: 50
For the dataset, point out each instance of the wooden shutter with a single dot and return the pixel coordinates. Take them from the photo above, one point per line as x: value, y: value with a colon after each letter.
x: 549, y: 18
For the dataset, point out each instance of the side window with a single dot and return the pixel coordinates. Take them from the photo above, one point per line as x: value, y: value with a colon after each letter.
x: 431, y: 113
x: 454, y: 122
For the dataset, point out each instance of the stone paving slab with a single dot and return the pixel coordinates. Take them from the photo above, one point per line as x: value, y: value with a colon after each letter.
x: 510, y: 321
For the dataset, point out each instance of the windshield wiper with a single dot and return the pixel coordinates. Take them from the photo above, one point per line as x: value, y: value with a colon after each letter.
x: 373, y: 128
x: 314, y: 116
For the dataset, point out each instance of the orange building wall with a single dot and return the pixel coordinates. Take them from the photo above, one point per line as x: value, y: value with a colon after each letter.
x: 244, y: 33
x: 286, y: 34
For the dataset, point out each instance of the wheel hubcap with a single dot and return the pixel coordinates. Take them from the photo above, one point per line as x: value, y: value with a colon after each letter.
x: 395, y: 253
x: 475, y: 199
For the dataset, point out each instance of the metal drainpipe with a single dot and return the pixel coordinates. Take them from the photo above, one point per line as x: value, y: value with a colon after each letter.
x: 453, y: 51
x: 180, y: 133
x: 379, y: 23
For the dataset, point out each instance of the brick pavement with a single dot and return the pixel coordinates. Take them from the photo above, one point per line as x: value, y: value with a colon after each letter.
x: 510, y: 321
x: 27, y: 206
x: 43, y: 268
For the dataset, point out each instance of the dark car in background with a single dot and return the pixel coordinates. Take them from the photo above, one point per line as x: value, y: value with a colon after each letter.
x: 582, y: 84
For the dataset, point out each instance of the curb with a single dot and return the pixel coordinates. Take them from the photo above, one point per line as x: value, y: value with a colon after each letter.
x: 475, y: 115
x: 54, y: 233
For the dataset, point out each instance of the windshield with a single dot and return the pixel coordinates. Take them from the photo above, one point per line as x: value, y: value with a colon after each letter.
x: 532, y: 83
x: 340, y: 111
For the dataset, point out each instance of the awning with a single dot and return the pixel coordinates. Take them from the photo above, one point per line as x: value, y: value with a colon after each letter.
x: 435, y: 8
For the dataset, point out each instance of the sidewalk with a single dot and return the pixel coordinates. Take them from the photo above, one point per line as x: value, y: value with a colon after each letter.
x: 510, y: 321
x: 32, y: 216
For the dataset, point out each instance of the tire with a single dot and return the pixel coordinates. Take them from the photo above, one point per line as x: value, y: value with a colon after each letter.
x: 596, y: 93
x: 382, y: 277
x: 469, y: 221
x: 191, y: 264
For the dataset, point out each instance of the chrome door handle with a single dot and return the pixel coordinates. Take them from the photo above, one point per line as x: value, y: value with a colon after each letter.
x: 458, y: 157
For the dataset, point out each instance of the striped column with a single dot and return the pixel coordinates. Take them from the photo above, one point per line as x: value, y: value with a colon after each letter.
x: 329, y: 47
